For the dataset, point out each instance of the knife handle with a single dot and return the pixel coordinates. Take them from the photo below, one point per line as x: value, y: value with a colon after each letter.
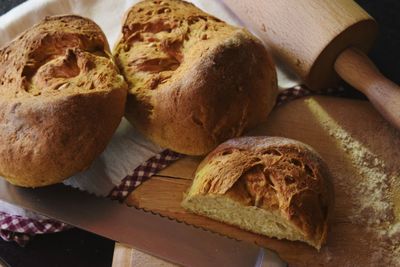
x: 359, y: 71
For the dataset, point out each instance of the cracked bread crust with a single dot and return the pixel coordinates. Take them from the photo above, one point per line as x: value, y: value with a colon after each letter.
x: 61, y: 99
x: 194, y: 81
x: 275, y: 174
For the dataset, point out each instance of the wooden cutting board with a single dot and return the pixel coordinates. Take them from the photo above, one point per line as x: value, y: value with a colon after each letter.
x: 363, y: 154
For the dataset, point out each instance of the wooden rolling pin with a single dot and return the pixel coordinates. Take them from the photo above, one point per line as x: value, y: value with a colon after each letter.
x: 321, y: 40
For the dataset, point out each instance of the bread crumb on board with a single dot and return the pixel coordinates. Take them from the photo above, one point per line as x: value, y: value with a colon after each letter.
x: 371, y: 194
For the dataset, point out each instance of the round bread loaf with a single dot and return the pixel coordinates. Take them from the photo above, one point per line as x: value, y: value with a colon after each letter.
x: 61, y: 99
x: 268, y: 185
x: 194, y: 81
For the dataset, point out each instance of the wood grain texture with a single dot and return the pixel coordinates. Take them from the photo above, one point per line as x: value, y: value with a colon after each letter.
x: 359, y: 71
x: 125, y: 256
x: 183, y: 168
x: 314, y: 121
x: 313, y: 37
x: 308, y: 35
x: 122, y: 255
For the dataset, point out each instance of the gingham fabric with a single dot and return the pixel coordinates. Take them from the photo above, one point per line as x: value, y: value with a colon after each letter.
x: 21, y: 229
x: 142, y: 173
x: 299, y: 91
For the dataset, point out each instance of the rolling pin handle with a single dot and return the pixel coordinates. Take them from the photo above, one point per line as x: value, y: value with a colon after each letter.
x: 359, y: 71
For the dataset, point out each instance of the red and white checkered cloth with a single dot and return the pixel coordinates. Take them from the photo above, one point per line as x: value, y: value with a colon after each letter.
x: 21, y: 229
x: 142, y: 173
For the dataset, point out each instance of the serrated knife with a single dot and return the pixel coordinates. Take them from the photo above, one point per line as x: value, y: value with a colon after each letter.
x: 148, y: 232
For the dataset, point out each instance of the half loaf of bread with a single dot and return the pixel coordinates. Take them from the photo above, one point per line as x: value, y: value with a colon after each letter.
x: 267, y: 185
x: 61, y: 99
x: 194, y: 81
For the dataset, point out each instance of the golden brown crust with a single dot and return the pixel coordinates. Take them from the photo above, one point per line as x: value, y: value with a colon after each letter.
x: 274, y: 174
x: 61, y: 99
x: 194, y: 81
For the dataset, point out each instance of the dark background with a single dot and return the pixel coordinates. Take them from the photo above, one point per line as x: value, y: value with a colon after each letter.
x: 79, y: 248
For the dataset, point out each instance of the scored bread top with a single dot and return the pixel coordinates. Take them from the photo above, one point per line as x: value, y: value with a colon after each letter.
x: 158, y: 36
x: 61, y: 100
x: 194, y: 81
x: 271, y: 173
x: 61, y: 55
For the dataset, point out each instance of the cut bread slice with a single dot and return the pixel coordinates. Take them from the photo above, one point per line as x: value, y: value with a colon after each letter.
x: 267, y: 185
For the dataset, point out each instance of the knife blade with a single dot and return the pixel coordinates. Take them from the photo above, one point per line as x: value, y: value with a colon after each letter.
x: 148, y: 232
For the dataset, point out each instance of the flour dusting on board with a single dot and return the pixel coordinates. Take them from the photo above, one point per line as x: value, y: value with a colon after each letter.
x: 371, y: 192
x: 372, y: 206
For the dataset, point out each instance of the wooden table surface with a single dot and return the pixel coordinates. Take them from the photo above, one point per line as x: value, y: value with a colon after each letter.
x: 79, y: 248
